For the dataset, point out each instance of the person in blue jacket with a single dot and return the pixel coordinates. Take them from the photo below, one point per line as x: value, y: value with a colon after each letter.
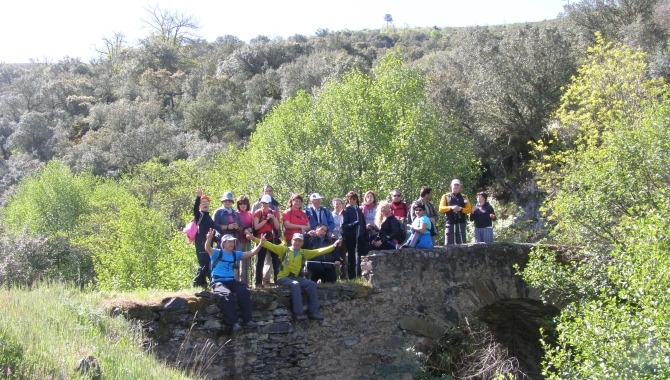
x: 318, y: 214
x: 224, y: 261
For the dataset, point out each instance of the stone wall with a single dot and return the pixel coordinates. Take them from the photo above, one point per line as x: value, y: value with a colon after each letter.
x: 369, y: 332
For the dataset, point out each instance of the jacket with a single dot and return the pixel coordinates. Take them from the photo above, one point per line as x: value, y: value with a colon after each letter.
x: 325, y: 215
x: 447, y: 204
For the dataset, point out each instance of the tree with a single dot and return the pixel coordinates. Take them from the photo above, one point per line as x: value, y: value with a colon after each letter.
x: 362, y: 133
x: 606, y: 171
x: 173, y: 27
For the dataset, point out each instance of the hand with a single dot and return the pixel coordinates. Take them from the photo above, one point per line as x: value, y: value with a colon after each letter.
x: 198, y: 192
x: 231, y: 226
x: 304, y: 229
x: 377, y: 243
x: 457, y: 208
x: 263, y: 240
x: 338, y: 242
x: 368, y: 226
x: 492, y: 216
x: 270, y: 216
x: 249, y: 236
x: 432, y: 220
x: 210, y: 234
x: 337, y: 263
x: 356, y: 223
x: 311, y: 233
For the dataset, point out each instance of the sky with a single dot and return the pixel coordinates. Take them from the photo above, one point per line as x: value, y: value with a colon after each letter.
x: 48, y: 30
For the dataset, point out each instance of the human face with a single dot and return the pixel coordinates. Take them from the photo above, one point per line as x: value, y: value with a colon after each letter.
x: 228, y: 204
x: 386, y: 210
x: 369, y: 198
x: 297, y: 243
x: 316, y: 203
x: 242, y: 207
x: 352, y: 201
x: 266, y: 206
x: 204, y: 206
x: 397, y: 197
x: 428, y: 196
x: 321, y: 231
x: 296, y: 203
x: 480, y: 199
x: 337, y: 206
x: 418, y: 211
x: 269, y: 191
x: 228, y: 245
x: 455, y: 188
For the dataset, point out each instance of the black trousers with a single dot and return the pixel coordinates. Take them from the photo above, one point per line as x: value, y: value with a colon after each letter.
x: 228, y: 291
x: 353, y: 245
x: 455, y: 234
x: 323, y: 272
x: 260, y: 261
x: 204, y: 272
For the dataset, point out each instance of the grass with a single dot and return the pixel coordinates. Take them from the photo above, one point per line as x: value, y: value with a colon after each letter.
x: 46, y: 329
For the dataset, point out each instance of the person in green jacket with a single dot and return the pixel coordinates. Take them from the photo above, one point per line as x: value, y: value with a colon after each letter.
x: 292, y: 259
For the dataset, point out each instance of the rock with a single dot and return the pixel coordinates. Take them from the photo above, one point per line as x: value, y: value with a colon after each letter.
x: 212, y: 325
x: 277, y: 328
x: 422, y: 327
x: 90, y: 367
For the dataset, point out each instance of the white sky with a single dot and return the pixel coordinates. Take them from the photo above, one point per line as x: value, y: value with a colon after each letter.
x: 53, y: 29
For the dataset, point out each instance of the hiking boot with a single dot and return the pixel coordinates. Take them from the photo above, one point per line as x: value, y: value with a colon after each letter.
x: 250, y: 325
x: 316, y: 317
x: 300, y: 317
x: 236, y: 327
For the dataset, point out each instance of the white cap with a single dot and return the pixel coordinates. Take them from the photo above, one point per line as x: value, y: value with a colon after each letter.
x: 455, y: 182
x: 298, y: 236
x: 227, y: 237
x: 266, y: 199
x: 315, y: 196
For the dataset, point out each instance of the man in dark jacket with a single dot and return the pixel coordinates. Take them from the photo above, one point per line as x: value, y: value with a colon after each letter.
x: 322, y: 267
x: 355, y: 235
x: 318, y: 214
x: 227, y: 216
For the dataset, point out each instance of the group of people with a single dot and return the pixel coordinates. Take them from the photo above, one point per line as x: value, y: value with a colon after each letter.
x: 303, y: 245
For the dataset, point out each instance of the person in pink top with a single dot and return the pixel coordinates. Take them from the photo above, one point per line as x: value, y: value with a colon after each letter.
x: 246, y: 220
x: 295, y: 219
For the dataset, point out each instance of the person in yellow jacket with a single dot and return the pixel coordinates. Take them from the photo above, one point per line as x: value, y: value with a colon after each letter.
x: 456, y: 209
x: 292, y: 259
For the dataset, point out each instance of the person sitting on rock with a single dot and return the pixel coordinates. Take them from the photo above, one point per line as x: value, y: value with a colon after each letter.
x: 322, y: 267
x: 224, y: 262
x: 292, y: 260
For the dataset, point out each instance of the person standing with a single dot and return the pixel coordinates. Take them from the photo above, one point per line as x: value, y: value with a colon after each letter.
x: 227, y: 216
x: 425, y: 197
x: 318, y: 214
x: 483, y: 215
x: 268, y: 266
x: 399, y: 207
x: 246, y: 224
x: 295, y: 220
x: 338, y: 208
x: 266, y: 224
x: 205, y: 223
x: 455, y: 207
x: 354, y: 234
x: 224, y: 261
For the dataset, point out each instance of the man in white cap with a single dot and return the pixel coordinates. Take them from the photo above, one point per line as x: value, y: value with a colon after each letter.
x: 318, y: 214
x: 292, y: 261
x: 227, y: 216
x: 456, y: 209
x: 224, y: 262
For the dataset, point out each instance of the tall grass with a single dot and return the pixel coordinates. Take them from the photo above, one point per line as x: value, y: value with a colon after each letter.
x: 45, y: 330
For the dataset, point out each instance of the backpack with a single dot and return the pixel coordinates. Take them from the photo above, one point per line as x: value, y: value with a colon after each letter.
x: 403, y: 233
x: 191, y: 229
x: 220, y: 256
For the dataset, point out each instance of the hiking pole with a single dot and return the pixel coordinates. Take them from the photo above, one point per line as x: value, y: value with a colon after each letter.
x: 358, y: 231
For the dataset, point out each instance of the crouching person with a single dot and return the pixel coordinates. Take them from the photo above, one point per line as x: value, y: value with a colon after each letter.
x: 224, y: 262
x: 292, y: 260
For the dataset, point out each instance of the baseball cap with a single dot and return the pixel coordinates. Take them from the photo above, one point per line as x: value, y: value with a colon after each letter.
x: 227, y: 197
x: 298, y: 236
x: 227, y: 237
x: 266, y: 199
x: 455, y: 182
x: 315, y: 196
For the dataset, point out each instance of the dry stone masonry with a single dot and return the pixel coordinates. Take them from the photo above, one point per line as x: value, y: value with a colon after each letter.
x: 378, y: 330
